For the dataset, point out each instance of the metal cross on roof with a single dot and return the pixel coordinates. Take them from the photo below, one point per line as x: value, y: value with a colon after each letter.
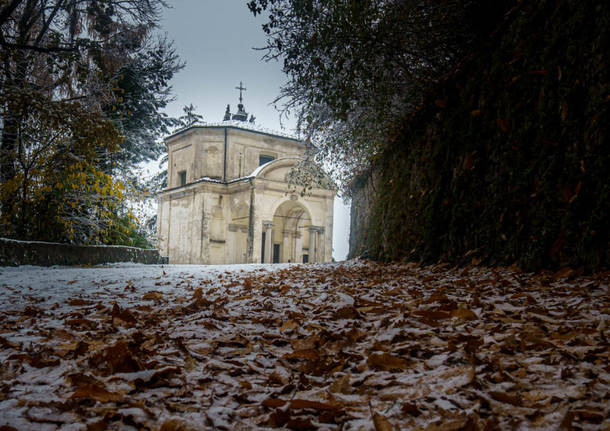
x: 240, y: 88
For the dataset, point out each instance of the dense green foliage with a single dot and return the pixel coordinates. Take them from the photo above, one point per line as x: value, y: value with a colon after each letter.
x: 82, y: 83
x: 507, y: 158
x: 356, y: 67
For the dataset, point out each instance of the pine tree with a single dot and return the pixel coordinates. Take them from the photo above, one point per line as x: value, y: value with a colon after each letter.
x: 190, y: 117
x: 82, y: 83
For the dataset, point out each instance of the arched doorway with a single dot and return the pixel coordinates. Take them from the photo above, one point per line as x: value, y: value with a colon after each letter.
x: 288, y: 233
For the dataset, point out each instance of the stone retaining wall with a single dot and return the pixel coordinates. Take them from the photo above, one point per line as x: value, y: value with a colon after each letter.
x: 13, y: 253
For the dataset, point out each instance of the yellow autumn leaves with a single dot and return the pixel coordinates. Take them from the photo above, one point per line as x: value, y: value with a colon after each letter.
x: 90, y: 194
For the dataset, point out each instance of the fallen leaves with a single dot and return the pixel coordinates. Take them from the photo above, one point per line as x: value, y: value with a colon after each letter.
x: 387, y: 362
x: 381, y: 423
x: 152, y: 296
x: 347, y: 346
x: 122, y: 317
x: 341, y: 385
x: 506, y: 398
x: 97, y: 393
x: 117, y: 358
x: 315, y: 405
x: 463, y: 313
x: 289, y: 325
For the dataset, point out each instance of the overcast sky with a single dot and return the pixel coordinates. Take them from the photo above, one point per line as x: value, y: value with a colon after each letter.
x: 216, y: 39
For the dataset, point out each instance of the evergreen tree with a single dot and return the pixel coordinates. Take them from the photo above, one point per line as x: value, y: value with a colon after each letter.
x: 190, y: 117
x: 81, y: 86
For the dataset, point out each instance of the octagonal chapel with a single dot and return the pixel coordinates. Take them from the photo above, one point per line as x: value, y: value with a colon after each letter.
x: 228, y: 199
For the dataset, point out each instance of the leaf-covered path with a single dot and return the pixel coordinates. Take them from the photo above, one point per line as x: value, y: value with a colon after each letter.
x: 351, y: 346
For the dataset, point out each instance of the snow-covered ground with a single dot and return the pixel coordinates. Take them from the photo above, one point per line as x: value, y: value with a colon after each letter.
x: 55, y: 286
x: 351, y: 346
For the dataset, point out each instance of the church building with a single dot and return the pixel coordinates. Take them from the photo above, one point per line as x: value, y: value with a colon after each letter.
x: 228, y: 199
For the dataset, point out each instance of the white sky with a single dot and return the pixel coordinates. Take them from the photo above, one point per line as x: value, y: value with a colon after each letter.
x: 217, y: 38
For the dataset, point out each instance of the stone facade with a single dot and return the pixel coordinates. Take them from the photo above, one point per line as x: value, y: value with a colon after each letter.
x: 227, y: 199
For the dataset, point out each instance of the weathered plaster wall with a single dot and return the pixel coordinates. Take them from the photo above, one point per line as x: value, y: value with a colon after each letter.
x: 210, y: 221
x: 249, y: 146
x: 200, y: 152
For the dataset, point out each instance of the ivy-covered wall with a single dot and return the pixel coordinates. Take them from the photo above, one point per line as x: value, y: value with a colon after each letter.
x: 508, y: 160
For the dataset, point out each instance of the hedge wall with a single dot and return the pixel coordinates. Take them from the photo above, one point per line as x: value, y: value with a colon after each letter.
x: 508, y: 160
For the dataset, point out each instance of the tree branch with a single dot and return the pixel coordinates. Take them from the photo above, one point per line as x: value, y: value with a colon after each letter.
x: 44, y: 49
x: 8, y: 10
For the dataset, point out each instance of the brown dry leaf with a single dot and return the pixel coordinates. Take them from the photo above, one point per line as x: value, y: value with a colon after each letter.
x: 277, y: 378
x: 77, y: 302
x: 433, y: 314
x: 153, y: 296
x: 278, y: 418
x: 590, y: 414
x: 36, y: 361
x: 372, y: 309
x: 465, y: 314
x: 341, y: 385
x: 566, y: 422
x: 451, y: 424
x: 513, y: 399
x: 198, y: 294
x: 122, y: 317
x: 245, y: 384
x: 300, y: 424
x: 387, y: 362
x: 310, y: 342
x: 101, y: 425
x: 564, y: 272
x: 288, y: 326
x: 348, y: 312
x: 410, y: 409
x: 381, y: 423
x: 242, y: 352
x: 315, y: 405
x: 8, y: 344
x: 74, y: 349
x: 82, y: 324
x: 78, y: 379
x: 115, y: 359
x: 97, y: 393
x: 273, y: 402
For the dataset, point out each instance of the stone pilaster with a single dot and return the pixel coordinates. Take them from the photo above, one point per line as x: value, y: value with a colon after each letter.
x: 268, y: 228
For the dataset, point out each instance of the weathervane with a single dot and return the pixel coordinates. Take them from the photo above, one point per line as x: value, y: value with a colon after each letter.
x: 240, y: 88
